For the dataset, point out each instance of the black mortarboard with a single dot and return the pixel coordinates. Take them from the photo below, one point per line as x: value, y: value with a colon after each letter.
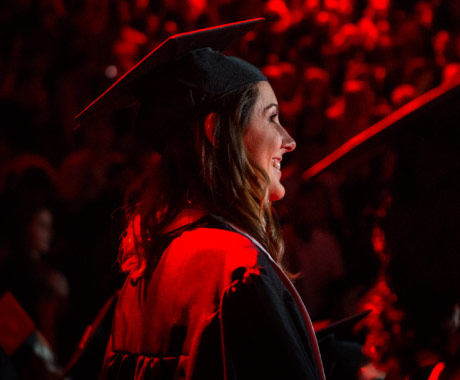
x: 424, y: 137
x: 178, y: 78
x: 422, y: 216
x: 344, y: 328
x: 434, y: 114
x: 341, y: 348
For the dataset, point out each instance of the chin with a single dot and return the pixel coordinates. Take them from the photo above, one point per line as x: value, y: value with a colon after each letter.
x: 276, y: 193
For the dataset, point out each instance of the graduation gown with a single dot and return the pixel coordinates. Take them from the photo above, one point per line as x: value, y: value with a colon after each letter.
x: 215, y: 307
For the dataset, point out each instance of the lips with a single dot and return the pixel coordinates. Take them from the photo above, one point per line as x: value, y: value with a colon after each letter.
x: 276, y: 163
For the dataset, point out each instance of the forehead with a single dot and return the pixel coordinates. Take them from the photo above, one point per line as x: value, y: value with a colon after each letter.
x: 266, y: 96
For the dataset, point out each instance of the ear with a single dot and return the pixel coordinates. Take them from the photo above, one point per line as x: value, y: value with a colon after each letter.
x: 209, y: 126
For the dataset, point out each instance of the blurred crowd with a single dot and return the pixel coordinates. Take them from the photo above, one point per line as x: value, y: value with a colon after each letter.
x: 336, y: 66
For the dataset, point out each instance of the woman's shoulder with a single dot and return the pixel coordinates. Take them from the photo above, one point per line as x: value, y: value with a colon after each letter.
x: 215, y: 245
x: 200, y: 263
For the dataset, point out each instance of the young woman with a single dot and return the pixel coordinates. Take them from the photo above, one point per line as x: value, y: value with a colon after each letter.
x: 205, y: 296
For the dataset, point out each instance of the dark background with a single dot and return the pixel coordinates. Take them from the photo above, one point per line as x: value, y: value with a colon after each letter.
x: 336, y: 66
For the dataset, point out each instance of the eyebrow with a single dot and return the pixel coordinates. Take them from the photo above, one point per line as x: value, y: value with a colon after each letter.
x: 270, y: 106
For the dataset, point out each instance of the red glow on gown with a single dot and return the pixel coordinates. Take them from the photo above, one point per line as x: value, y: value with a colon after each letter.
x: 211, y: 291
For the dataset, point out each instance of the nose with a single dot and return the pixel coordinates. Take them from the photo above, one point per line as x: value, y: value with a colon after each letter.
x: 288, y: 142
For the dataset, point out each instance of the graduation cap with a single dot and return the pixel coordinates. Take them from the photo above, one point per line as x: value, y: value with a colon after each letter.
x: 422, y: 219
x: 341, y: 349
x: 178, y: 78
x: 432, y: 113
x: 342, y: 329
x: 424, y: 136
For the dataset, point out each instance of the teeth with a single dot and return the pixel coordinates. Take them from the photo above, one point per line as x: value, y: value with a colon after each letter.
x: 276, y: 164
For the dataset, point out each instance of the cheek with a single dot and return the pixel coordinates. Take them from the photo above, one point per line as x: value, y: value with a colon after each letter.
x: 261, y: 147
x: 252, y: 143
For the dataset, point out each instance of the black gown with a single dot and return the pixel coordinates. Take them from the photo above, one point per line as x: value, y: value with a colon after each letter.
x: 215, y: 307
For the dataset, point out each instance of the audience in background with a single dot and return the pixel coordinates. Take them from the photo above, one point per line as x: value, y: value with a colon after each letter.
x: 337, y: 67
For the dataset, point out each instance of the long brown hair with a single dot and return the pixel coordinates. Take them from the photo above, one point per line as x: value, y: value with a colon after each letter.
x: 219, y: 177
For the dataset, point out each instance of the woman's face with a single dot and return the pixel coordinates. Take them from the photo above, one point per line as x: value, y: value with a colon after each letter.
x: 266, y: 140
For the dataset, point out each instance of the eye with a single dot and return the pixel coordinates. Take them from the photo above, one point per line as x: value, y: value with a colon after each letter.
x: 273, y: 117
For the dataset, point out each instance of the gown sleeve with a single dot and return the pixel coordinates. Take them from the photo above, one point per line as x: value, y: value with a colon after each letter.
x: 263, y: 336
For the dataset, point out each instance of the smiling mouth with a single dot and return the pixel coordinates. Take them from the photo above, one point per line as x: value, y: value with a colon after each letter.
x: 276, y: 163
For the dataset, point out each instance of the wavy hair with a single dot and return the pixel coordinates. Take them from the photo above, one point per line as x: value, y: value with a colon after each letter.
x: 221, y: 177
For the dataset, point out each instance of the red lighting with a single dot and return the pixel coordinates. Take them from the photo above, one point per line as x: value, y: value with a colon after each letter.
x: 438, y: 368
